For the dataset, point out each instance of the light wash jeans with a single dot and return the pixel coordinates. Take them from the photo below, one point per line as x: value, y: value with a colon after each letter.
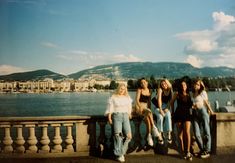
x: 201, y: 122
x: 121, y: 127
x: 164, y: 124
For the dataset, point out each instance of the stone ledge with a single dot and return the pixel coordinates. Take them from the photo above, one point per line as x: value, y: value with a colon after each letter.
x: 226, y: 150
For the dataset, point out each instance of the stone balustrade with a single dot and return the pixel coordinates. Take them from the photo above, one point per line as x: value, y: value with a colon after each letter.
x: 52, y: 136
x: 69, y: 136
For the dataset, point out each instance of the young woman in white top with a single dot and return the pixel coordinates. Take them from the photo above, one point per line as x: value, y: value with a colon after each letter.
x: 201, y: 118
x: 119, y: 113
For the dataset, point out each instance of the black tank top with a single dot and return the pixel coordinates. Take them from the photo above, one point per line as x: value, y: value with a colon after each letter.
x: 184, y: 102
x: 166, y: 98
x: 144, y: 98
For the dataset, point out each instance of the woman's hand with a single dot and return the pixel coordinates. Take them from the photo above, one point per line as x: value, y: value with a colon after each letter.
x: 194, y: 106
x: 211, y: 112
x: 165, y: 110
x: 162, y: 112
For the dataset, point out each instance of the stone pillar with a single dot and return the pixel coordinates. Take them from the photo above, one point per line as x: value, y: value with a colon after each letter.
x: 92, y: 133
x: 102, y: 138
x: 44, y: 139
x: 57, y: 139
x: 82, y: 137
x: 69, y: 138
x: 137, y: 135
x: 32, y: 140
x: 7, y: 140
x: 19, y: 140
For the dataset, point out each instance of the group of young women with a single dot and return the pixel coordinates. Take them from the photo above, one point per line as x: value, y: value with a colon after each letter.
x: 191, y: 108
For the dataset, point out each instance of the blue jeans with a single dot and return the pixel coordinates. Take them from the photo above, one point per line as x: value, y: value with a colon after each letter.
x: 201, y: 122
x: 121, y: 127
x: 163, y: 123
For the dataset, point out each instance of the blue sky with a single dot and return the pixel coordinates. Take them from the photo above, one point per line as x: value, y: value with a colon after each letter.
x: 67, y: 36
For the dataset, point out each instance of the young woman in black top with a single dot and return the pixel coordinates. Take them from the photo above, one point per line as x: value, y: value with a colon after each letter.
x: 143, y: 105
x: 182, y: 117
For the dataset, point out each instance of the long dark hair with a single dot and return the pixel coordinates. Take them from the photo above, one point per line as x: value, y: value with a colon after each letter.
x: 180, y: 87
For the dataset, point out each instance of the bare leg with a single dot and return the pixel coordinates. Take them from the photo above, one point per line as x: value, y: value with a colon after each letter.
x: 148, y: 125
x: 181, y: 138
x: 188, y: 136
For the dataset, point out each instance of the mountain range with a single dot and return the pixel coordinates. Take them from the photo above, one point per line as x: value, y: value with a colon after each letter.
x: 128, y: 70
x: 32, y: 75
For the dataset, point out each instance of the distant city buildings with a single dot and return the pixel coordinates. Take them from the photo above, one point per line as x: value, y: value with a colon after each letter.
x: 49, y: 85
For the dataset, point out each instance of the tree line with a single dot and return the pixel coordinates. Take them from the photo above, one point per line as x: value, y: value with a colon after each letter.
x: 210, y: 83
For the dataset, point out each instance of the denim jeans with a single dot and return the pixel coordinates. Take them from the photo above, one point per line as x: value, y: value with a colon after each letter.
x: 164, y: 124
x: 201, y: 123
x: 121, y: 127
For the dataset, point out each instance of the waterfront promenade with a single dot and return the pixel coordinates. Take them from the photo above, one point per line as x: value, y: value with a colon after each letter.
x: 78, y: 139
x: 223, y: 156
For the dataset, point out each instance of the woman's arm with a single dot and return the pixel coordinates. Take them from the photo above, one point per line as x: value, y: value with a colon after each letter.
x: 137, y: 98
x: 110, y: 118
x: 208, y: 106
x: 159, y: 100
x: 149, y: 100
x: 172, y: 102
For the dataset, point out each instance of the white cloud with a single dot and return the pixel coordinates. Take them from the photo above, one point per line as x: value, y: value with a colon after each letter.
x: 91, y: 59
x: 125, y: 58
x: 212, y: 47
x: 194, y: 61
x: 221, y: 20
x: 9, y: 69
x: 202, y: 46
x: 49, y: 45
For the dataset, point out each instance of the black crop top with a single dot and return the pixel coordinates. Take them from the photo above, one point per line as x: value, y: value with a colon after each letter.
x: 166, y: 99
x: 144, y: 98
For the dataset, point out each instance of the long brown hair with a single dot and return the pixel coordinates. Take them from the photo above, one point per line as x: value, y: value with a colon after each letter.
x: 202, y: 86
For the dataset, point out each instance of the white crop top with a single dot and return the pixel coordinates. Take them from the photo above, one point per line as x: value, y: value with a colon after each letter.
x: 199, y: 100
x: 120, y: 104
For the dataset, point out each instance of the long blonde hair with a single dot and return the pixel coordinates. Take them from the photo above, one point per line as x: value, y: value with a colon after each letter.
x: 169, y: 86
x: 119, y: 87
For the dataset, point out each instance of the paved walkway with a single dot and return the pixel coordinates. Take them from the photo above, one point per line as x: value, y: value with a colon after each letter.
x: 147, y: 158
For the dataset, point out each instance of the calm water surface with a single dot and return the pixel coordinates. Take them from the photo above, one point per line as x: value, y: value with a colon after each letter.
x: 65, y: 104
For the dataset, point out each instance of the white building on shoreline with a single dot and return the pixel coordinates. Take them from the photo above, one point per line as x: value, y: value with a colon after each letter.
x: 49, y: 85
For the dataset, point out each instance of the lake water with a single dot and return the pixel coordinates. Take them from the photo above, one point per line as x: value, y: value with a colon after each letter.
x: 66, y: 104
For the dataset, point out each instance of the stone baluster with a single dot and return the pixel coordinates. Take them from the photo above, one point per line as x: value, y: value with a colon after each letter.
x: 69, y: 138
x: 32, y: 140
x: 7, y: 140
x: 20, y: 139
x: 57, y: 139
x: 44, y: 139
x: 82, y: 137
x: 102, y: 138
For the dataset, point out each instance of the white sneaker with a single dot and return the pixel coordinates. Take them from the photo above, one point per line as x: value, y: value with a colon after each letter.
x: 189, y: 156
x: 121, y: 158
x: 150, y: 140
x: 160, y: 139
x: 155, y: 131
x: 169, y: 139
